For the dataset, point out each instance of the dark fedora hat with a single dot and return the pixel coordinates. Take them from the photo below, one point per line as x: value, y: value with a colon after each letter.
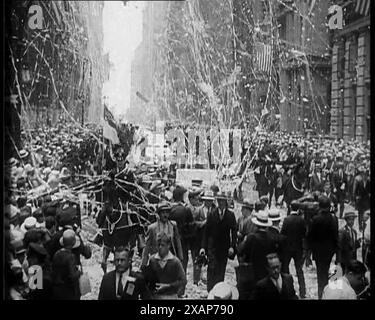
x: 247, y: 203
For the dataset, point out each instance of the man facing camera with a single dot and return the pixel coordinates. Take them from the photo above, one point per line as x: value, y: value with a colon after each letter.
x: 122, y: 283
x: 277, y: 285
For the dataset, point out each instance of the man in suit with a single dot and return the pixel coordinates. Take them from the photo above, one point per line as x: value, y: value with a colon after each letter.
x: 317, y: 179
x: 323, y: 241
x: 328, y: 193
x: 254, y: 249
x: 340, y: 185
x: 182, y: 215
x: 122, y: 283
x: 294, y: 229
x: 348, y: 241
x: 219, y: 241
x: 244, y: 223
x: 274, y: 230
x: 163, y: 224
x: 361, y: 193
x: 275, y: 286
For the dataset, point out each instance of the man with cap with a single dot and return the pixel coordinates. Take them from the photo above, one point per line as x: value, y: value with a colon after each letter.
x: 163, y: 224
x: 244, y: 223
x: 198, y: 228
x: 208, y: 202
x: 219, y: 241
x: 256, y: 247
x: 294, y: 229
x: 348, y: 241
x: 340, y: 185
x: 322, y: 239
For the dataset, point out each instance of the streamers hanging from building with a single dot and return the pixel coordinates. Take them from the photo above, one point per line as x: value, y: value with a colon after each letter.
x: 263, y: 56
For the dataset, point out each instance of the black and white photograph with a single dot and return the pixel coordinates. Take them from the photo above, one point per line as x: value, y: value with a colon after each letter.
x: 187, y: 150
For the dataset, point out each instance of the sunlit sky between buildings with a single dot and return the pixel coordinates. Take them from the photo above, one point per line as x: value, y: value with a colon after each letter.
x: 122, y: 34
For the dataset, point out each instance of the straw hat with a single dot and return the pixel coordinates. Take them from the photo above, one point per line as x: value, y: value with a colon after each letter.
x: 28, y: 224
x: 208, y: 195
x: 23, y: 154
x: 274, y: 215
x: 223, y: 291
x: 261, y: 219
x: 12, y: 162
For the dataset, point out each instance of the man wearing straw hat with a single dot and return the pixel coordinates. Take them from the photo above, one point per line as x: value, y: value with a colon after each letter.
x: 257, y: 246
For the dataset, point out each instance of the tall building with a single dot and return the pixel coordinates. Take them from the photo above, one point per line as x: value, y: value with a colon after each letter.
x: 60, y: 67
x: 304, y: 65
x: 145, y: 63
x: 351, y: 60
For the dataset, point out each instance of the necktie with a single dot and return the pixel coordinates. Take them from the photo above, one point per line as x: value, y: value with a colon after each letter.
x: 278, y: 285
x: 353, y: 239
x: 120, y: 289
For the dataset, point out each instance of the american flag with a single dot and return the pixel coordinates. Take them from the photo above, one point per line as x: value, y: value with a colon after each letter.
x: 363, y: 7
x: 263, y: 56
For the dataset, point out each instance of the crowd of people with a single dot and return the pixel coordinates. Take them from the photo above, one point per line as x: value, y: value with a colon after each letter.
x: 43, y: 233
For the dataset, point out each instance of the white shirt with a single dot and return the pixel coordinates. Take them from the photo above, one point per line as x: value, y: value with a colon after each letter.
x: 123, y: 280
x: 366, y: 233
x: 278, y: 283
x: 339, y: 289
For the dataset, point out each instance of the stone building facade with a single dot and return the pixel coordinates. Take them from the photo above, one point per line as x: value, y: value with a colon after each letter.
x: 351, y: 60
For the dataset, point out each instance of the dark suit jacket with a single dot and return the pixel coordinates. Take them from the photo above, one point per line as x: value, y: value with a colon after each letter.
x: 184, y: 219
x: 266, y: 290
x: 337, y: 181
x: 108, y: 288
x: 279, y: 240
x: 255, y: 249
x: 294, y: 229
x: 220, y: 235
x: 361, y: 193
x: 347, y: 246
x: 323, y: 236
x: 317, y: 184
